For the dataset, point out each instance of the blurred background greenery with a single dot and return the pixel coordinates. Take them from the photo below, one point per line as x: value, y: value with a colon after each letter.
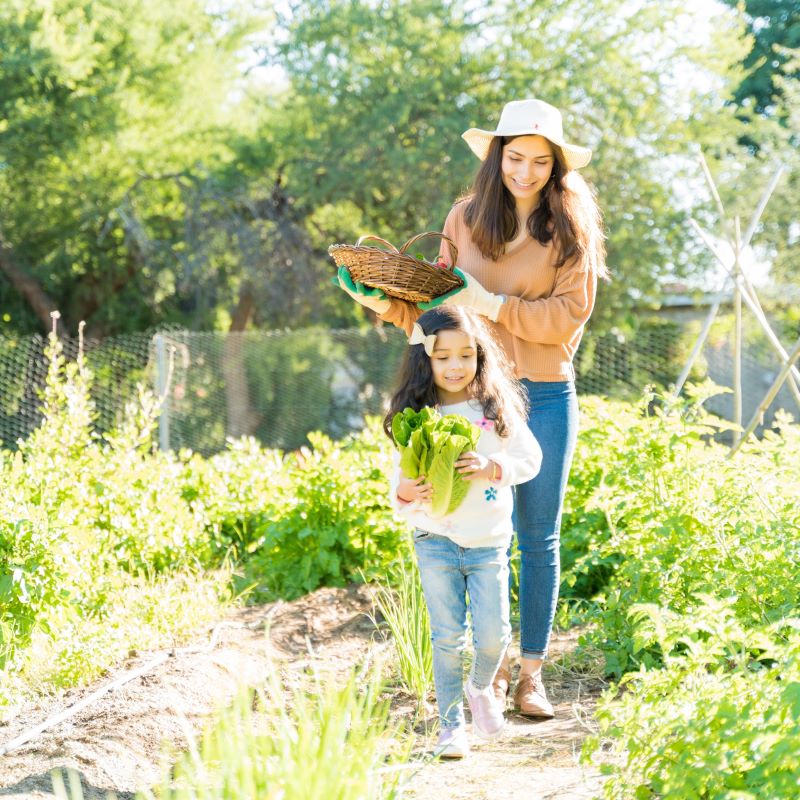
x: 188, y: 163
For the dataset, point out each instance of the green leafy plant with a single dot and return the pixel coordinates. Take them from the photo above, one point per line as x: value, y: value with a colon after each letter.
x: 429, y: 445
x: 333, y: 523
x: 698, y: 610
x: 402, y: 607
x: 715, y: 722
x: 327, y: 741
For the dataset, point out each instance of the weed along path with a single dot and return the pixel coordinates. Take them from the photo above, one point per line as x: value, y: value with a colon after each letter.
x: 117, y: 742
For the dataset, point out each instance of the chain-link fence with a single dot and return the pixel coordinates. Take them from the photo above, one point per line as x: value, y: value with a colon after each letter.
x: 119, y: 365
x: 278, y: 386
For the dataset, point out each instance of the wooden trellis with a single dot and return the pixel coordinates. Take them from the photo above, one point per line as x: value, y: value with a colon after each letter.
x: 743, y: 292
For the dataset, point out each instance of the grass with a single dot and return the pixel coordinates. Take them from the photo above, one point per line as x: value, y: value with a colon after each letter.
x: 321, y: 741
x: 403, y: 609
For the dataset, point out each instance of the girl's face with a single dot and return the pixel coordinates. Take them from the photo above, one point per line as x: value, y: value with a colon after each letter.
x: 454, y: 364
x: 526, y: 168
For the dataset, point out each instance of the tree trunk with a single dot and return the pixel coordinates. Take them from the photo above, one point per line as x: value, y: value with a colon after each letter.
x: 30, y: 289
x: 242, y: 420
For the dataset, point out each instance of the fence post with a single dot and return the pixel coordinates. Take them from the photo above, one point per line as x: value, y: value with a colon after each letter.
x: 162, y: 390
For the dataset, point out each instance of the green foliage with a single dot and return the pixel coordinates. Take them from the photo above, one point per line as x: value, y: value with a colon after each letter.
x: 683, y: 519
x: 401, y: 604
x: 104, y: 540
x: 335, y: 521
x: 95, y: 99
x: 775, y: 31
x: 151, y: 174
x: 91, y: 527
x: 586, y: 562
x: 691, y: 560
x: 714, y: 723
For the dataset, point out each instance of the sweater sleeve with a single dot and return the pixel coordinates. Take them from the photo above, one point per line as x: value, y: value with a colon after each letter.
x: 558, y: 318
x: 401, y: 314
x: 521, y: 459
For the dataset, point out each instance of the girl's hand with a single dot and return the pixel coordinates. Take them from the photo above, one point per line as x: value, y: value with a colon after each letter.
x: 472, y: 466
x: 411, y: 489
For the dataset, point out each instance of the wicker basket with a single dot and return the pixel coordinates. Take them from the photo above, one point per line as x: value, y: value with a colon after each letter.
x: 395, y: 272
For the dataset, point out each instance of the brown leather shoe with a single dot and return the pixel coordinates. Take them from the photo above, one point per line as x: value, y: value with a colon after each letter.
x: 501, y: 685
x: 530, y: 698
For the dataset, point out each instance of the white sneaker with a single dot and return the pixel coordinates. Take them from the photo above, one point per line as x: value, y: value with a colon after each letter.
x: 452, y: 743
x: 487, y: 715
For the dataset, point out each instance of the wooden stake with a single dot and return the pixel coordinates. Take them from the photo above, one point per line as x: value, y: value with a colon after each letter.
x: 759, y: 315
x: 720, y: 296
x: 768, y: 398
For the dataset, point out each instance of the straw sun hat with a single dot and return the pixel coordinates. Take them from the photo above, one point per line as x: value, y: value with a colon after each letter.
x: 529, y: 118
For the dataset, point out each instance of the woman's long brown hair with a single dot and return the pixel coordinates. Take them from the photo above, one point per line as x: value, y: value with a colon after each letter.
x: 567, y: 212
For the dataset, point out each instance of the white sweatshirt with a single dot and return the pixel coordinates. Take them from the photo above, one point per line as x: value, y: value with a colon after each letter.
x: 484, y: 517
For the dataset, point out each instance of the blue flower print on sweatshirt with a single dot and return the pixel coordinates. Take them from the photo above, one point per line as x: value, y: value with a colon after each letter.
x: 490, y: 493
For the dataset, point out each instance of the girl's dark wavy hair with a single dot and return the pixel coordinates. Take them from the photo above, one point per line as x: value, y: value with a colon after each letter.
x: 501, y: 396
x: 567, y: 212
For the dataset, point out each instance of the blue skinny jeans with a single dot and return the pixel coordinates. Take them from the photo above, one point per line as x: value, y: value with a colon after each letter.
x: 449, y: 574
x: 553, y: 419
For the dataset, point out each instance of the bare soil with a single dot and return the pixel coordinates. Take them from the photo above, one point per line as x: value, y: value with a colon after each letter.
x: 117, y: 743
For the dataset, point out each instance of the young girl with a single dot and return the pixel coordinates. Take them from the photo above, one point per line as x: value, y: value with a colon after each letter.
x: 454, y: 364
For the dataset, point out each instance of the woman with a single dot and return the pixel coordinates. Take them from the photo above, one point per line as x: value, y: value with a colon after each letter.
x: 530, y: 247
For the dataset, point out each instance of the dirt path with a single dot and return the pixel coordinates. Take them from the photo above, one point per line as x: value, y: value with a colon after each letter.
x: 116, y: 744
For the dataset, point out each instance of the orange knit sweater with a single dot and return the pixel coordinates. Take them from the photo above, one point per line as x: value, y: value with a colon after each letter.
x: 541, y: 323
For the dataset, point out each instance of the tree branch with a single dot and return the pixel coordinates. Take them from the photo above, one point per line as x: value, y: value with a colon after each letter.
x: 30, y: 289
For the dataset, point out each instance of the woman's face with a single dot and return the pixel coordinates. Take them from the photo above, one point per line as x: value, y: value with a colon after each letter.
x: 526, y: 168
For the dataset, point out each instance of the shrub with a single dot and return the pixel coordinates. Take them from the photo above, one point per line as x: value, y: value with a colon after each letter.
x: 683, y: 520
x: 334, y: 522
x: 715, y: 722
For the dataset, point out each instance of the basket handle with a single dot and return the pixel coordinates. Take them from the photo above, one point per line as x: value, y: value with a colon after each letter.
x: 451, y: 245
x: 377, y: 239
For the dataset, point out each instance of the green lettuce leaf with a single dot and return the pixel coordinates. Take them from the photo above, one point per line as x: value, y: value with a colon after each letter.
x: 441, y: 477
x: 401, y: 430
x: 429, y: 445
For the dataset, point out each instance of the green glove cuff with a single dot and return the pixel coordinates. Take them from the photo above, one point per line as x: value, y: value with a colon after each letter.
x: 437, y: 301
x: 346, y: 281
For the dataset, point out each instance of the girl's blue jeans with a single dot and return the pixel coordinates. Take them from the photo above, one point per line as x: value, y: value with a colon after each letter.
x: 553, y: 419
x: 449, y: 574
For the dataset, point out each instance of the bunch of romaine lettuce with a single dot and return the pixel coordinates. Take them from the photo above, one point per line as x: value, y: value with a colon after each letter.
x: 430, y: 445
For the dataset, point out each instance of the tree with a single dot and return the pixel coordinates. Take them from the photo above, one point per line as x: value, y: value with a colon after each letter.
x: 768, y: 99
x: 94, y: 96
x: 380, y: 92
x: 775, y: 29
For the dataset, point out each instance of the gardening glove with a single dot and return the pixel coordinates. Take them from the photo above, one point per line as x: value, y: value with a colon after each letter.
x: 373, y: 299
x: 472, y: 295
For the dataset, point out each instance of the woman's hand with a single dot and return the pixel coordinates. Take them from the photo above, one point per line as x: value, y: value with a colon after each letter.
x: 472, y: 465
x: 411, y: 489
x: 371, y: 298
x: 472, y: 295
